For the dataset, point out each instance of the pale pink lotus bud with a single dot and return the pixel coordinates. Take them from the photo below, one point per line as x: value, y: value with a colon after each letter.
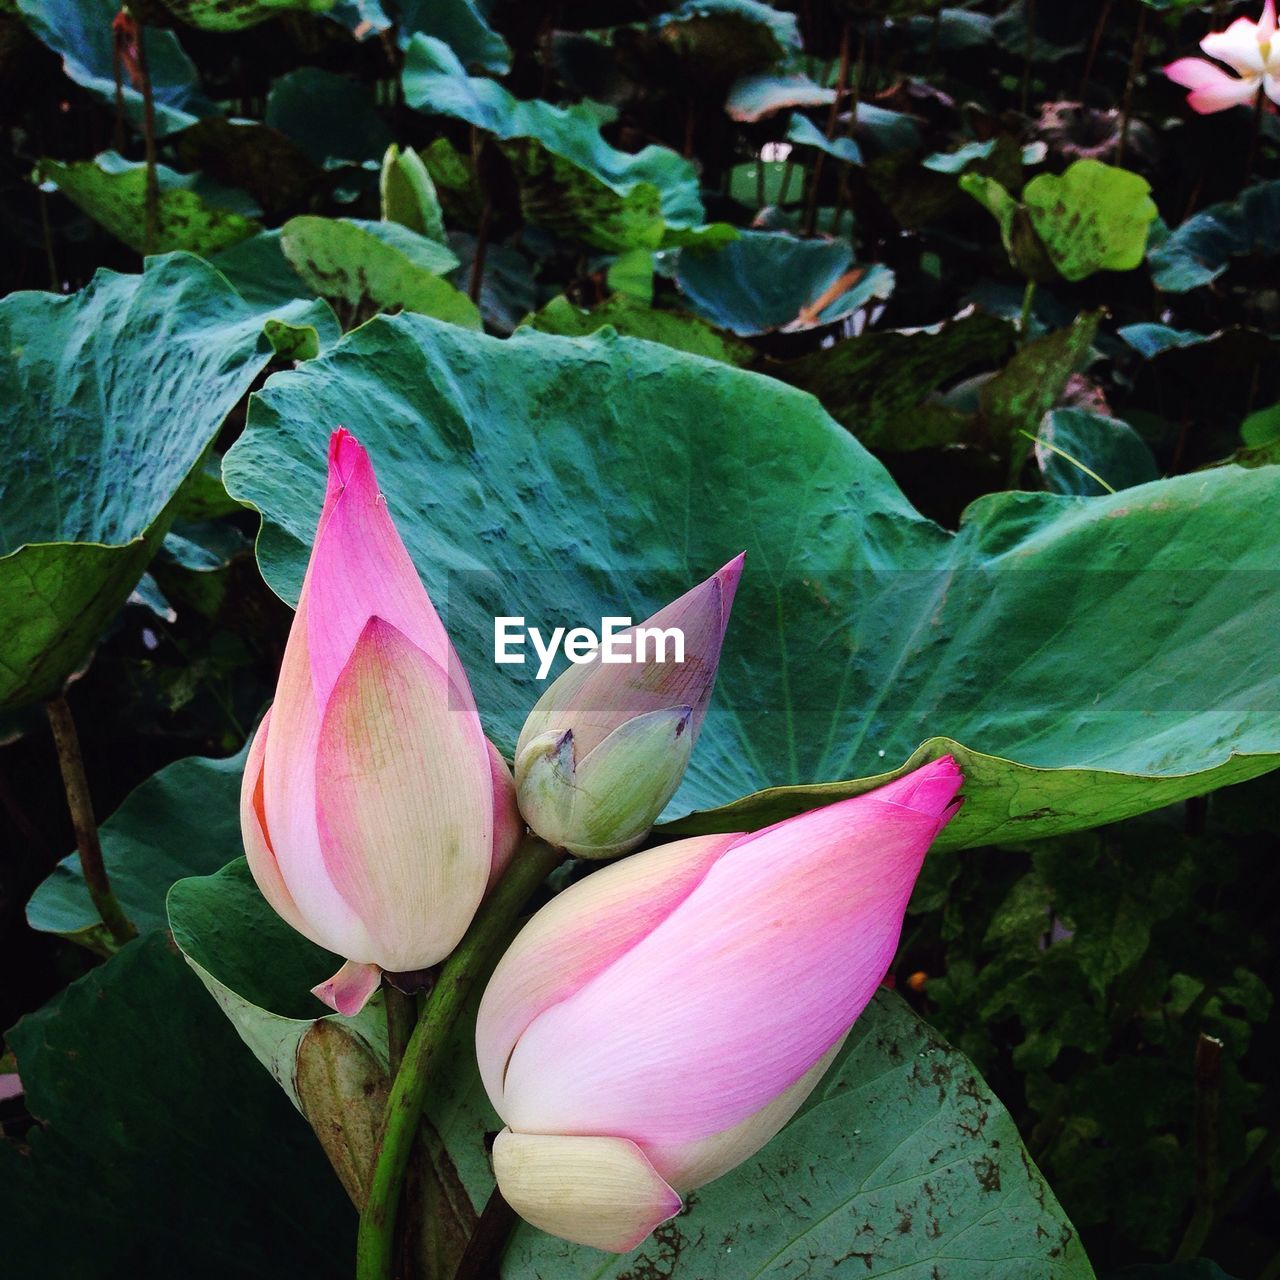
x: 606, y: 746
x: 658, y: 1022
x: 1250, y: 49
x: 374, y: 812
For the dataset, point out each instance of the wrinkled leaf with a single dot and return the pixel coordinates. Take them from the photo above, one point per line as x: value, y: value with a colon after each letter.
x: 566, y: 479
x: 110, y: 397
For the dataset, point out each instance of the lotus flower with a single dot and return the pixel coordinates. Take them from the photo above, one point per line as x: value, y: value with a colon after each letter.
x: 374, y: 811
x: 1250, y: 49
x: 606, y: 746
x: 659, y: 1021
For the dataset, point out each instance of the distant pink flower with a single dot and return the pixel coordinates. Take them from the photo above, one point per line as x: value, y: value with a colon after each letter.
x: 658, y: 1022
x: 1248, y: 48
x: 374, y: 812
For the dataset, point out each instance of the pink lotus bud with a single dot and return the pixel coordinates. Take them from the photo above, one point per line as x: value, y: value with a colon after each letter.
x: 373, y: 809
x: 606, y: 746
x: 659, y: 1021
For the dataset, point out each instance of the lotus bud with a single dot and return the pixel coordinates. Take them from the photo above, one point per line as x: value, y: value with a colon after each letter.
x: 658, y: 1022
x: 607, y: 745
x: 374, y: 812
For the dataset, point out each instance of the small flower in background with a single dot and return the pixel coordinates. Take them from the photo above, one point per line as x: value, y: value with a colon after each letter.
x: 606, y: 746
x: 1248, y: 48
x: 658, y: 1022
x: 374, y: 811
x: 125, y: 38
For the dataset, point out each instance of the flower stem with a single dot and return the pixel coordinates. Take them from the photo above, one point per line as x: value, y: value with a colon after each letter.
x: 151, y: 206
x: 1024, y: 320
x: 74, y: 782
x: 1258, y: 107
x: 468, y: 965
x: 480, y: 1259
x: 1135, y: 65
x: 842, y: 81
x: 402, y: 1014
x: 1028, y: 55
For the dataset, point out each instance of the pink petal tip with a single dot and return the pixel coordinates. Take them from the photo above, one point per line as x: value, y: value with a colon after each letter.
x: 348, y: 991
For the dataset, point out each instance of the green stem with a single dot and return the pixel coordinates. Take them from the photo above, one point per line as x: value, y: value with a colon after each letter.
x: 1208, y: 1068
x: 1258, y: 106
x: 485, y: 1248
x: 1028, y: 55
x: 842, y: 81
x: 1024, y: 321
x: 402, y: 1015
x: 1135, y: 65
x: 151, y: 207
x: 467, y: 966
x: 74, y: 782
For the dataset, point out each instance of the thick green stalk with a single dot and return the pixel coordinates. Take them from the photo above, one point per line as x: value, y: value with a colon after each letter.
x: 67, y: 742
x: 468, y: 965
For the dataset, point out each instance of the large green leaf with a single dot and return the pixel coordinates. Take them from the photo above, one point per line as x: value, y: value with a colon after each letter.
x: 162, y: 1148
x: 191, y: 214
x: 367, y: 267
x: 1096, y: 657
x: 572, y: 181
x: 901, y: 1162
x: 1202, y: 248
x: 148, y: 844
x: 79, y: 32
x: 769, y: 280
x: 108, y: 398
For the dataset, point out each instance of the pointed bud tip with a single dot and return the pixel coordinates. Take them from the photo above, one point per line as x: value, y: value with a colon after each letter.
x: 930, y: 789
x: 728, y: 578
x: 346, y: 456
